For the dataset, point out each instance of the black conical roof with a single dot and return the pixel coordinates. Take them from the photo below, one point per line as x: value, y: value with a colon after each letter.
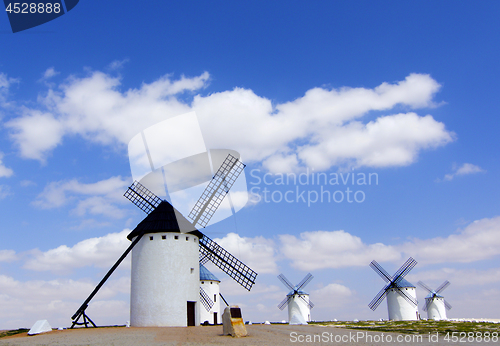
x: 165, y: 218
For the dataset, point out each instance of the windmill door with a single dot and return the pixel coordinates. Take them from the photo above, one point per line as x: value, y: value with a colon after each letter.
x: 215, y: 318
x: 191, y: 321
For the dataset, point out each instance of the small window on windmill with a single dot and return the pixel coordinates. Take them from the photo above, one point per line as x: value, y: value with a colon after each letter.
x: 187, y: 238
x: 163, y: 237
x: 215, y: 298
x: 202, y: 282
x: 194, y: 240
x: 192, y: 270
x: 151, y: 238
x: 176, y: 237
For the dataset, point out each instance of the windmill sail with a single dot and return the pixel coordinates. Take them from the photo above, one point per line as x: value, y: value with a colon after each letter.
x: 215, y: 191
x: 394, y: 282
x: 205, y: 300
x: 239, y: 271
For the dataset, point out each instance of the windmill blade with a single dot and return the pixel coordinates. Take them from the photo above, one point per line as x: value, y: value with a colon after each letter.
x: 408, y: 298
x: 229, y: 264
x: 205, y: 299
x: 305, y: 281
x: 405, y: 268
x: 421, y: 284
x: 380, y: 271
x: 443, y: 286
x: 426, y: 305
x: 215, y: 191
x: 146, y: 200
x: 284, y: 302
x: 447, y: 305
x: 378, y: 298
x: 285, y: 281
x: 309, y: 303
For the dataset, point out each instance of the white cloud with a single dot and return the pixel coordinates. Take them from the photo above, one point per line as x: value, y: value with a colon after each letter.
x: 49, y: 73
x: 5, y: 191
x: 480, y: 240
x: 321, y: 129
x: 7, y: 255
x: 465, y: 169
x: 257, y: 253
x: 4, y: 171
x: 5, y: 84
x: 35, y: 133
x: 332, y: 295
x: 335, y: 249
x: 100, y: 252
x: 103, y: 194
x: 57, y: 300
x: 458, y: 277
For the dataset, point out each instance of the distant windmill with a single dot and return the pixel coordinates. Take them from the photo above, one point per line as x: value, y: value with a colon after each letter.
x: 210, y: 297
x: 299, y: 305
x: 165, y: 275
x: 435, y: 305
x: 401, y: 295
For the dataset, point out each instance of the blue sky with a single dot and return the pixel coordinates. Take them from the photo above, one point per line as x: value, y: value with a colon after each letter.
x: 401, y: 90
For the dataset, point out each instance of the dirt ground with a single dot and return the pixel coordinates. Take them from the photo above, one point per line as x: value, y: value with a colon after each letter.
x: 272, y: 335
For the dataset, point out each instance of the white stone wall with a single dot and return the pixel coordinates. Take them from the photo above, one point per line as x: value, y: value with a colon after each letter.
x: 212, y: 290
x: 436, y: 309
x: 399, y: 308
x: 165, y: 275
x: 298, y: 306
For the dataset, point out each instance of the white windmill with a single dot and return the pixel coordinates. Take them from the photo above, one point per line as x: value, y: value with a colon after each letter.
x: 401, y: 295
x: 167, y: 251
x: 435, y: 305
x: 210, y: 297
x: 297, y: 300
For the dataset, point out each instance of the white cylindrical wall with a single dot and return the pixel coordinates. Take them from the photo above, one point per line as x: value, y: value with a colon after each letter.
x: 165, y: 276
x: 211, y: 288
x: 399, y: 308
x: 435, y: 308
x: 300, y: 307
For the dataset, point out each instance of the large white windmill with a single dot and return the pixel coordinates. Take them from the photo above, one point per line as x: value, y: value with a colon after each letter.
x: 297, y: 300
x: 166, y: 252
x: 401, y: 295
x: 435, y: 305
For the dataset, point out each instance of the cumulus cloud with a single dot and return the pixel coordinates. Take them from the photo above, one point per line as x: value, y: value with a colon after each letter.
x: 100, y: 252
x: 321, y: 129
x: 258, y: 253
x: 4, y: 191
x: 480, y: 240
x: 49, y: 73
x: 7, y: 255
x: 4, y: 171
x: 332, y: 295
x: 465, y: 169
x: 5, y: 84
x: 332, y: 249
x: 458, y: 277
x: 58, y: 299
x: 102, y: 196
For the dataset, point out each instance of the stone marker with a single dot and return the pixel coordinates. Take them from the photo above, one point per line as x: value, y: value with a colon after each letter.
x: 232, y: 322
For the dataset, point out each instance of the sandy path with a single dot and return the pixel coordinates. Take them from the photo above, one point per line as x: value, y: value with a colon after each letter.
x: 269, y: 335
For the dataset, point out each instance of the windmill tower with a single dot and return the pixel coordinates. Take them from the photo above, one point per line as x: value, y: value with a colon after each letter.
x: 209, y: 297
x: 299, y: 305
x: 401, y: 295
x: 435, y: 305
x: 167, y: 251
